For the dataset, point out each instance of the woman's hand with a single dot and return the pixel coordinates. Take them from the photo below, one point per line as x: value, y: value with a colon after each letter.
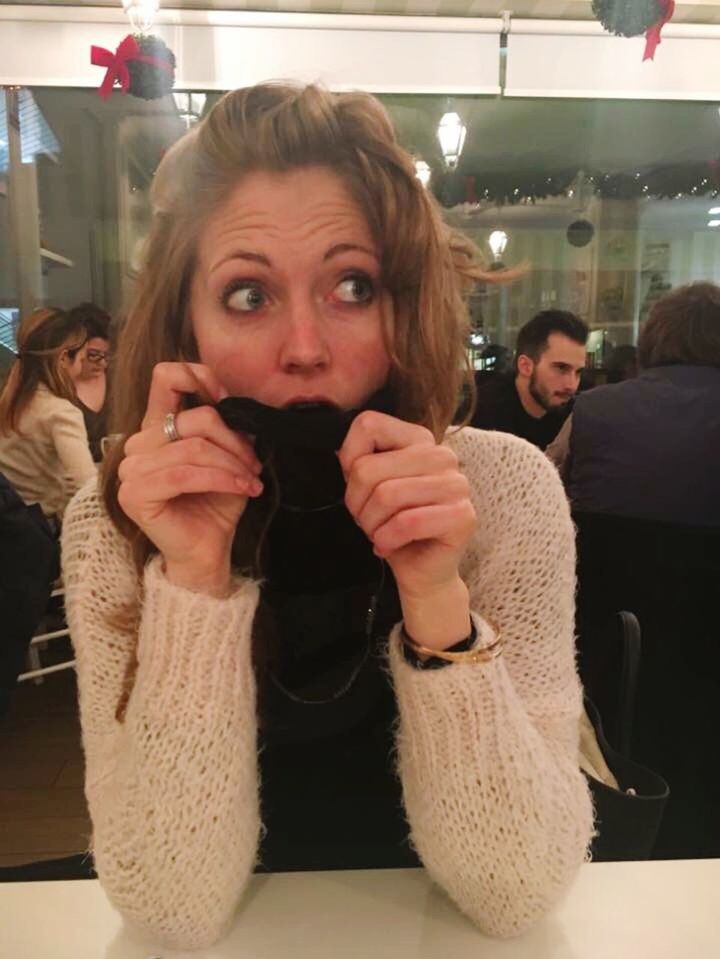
x: 407, y: 494
x: 187, y: 496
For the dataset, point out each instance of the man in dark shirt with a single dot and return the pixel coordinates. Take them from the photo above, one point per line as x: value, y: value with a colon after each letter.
x: 533, y: 401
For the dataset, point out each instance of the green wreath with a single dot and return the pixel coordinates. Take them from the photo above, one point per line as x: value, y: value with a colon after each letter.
x: 628, y: 18
x: 150, y: 81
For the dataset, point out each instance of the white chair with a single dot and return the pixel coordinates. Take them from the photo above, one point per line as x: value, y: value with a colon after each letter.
x: 37, y: 671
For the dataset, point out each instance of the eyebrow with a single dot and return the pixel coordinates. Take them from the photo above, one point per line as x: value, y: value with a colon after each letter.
x: 347, y: 248
x: 264, y: 261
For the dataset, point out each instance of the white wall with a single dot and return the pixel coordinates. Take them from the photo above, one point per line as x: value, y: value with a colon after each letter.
x: 579, y: 59
x: 50, y: 46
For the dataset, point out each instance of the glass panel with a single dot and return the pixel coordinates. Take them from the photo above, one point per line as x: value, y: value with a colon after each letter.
x: 607, y: 203
x: 8, y: 259
x: 94, y: 162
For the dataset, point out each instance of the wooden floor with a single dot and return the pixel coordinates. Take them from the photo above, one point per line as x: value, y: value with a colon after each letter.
x: 43, y: 814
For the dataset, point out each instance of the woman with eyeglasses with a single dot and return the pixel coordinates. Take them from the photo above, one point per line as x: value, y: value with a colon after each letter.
x: 88, y: 370
x: 43, y: 441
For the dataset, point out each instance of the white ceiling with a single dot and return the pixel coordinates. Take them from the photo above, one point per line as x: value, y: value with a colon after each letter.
x: 698, y: 11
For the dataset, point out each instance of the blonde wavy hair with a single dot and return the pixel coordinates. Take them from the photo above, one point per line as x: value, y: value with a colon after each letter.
x: 427, y: 267
x: 44, y: 337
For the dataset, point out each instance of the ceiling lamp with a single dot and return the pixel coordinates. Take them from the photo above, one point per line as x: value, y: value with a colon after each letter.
x: 423, y: 172
x: 498, y: 241
x: 451, y: 134
x: 142, y: 13
x: 189, y: 106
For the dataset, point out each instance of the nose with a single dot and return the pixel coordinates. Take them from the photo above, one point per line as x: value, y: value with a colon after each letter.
x: 305, y: 347
x: 571, y: 381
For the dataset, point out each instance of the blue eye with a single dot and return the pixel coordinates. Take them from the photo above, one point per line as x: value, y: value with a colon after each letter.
x: 244, y: 297
x: 357, y: 288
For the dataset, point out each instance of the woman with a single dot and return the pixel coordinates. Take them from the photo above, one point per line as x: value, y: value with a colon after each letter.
x: 43, y: 443
x: 231, y: 593
x: 89, y: 372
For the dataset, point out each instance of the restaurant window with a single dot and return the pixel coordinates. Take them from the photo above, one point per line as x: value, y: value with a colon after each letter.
x: 607, y: 203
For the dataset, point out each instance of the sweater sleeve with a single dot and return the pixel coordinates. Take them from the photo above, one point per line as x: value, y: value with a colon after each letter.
x: 167, y: 705
x: 488, y: 754
x: 69, y: 436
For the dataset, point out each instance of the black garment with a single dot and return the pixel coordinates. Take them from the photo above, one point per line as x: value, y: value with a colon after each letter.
x: 649, y: 447
x: 96, y: 427
x: 667, y: 575
x: 330, y: 795
x: 29, y: 563
x: 499, y: 408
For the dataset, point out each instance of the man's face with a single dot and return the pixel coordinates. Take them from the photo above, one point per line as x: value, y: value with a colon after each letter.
x: 555, y: 377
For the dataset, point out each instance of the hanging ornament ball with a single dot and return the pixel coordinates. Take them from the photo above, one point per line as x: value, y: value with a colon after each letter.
x: 628, y: 18
x: 580, y: 233
x: 154, y: 79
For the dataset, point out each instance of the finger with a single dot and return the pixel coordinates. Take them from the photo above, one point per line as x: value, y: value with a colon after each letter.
x: 171, y: 382
x: 450, y: 524
x: 372, y: 432
x: 202, y: 421
x: 165, y: 485
x: 371, y: 469
x: 196, y: 451
x: 395, y: 495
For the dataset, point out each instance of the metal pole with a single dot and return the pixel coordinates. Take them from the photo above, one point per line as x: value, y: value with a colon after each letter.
x: 23, y: 212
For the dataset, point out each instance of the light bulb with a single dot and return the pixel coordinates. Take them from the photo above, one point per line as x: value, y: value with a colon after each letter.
x: 423, y: 172
x: 141, y: 13
x: 498, y: 241
x: 451, y: 134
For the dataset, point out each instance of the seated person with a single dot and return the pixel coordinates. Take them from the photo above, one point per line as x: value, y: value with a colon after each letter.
x: 533, y: 400
x: 29, y: 562
x: 88, y: 370
x: 44, y: 449
x: 288, y: 634
x: 649, y: 447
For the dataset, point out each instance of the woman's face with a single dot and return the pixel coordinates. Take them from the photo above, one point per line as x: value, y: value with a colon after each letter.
x: 90, y: 361
x: 94, y: 357
x: 286, y: 296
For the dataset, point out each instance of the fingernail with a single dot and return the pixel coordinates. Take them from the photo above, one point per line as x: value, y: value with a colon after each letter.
x: 256, y: 487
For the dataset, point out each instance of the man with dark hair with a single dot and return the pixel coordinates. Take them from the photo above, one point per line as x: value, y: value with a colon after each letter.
x: 533, y: 401
x: 649, y: 447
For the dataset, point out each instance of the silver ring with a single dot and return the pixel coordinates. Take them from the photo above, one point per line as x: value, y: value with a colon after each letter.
x: 170, y: 428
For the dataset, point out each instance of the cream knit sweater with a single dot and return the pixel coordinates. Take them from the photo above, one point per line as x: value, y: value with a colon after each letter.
x: 488, y: 755
x: 48, y: 459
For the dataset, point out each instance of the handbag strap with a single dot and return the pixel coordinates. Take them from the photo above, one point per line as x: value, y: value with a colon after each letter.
x: 629, y: 671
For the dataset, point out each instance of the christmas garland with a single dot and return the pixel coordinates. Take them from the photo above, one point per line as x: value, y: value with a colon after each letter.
x: 142, y: 65
x: 505, y: 189
x: 628, y: 18
x: 152, y: 74
x: 631, y: 18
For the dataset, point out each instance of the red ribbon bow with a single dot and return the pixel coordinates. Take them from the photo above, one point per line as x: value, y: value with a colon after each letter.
x: 116, y: 64
x: 652, y: 37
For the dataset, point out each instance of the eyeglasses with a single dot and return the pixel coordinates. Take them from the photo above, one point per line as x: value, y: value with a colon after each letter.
x: 98, y: 356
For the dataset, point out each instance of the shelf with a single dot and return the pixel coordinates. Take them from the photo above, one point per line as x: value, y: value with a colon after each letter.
x: 54, y: 259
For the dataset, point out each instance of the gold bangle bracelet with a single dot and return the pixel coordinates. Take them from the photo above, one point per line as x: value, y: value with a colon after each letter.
x: 483, y: 655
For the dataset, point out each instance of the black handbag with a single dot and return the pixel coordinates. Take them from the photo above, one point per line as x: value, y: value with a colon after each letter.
x: 627, y: 819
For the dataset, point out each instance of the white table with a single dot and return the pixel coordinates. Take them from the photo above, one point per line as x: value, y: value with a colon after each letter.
x: 634, y: 910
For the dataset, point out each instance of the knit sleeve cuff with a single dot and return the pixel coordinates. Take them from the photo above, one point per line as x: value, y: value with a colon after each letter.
x: 184, y: 634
